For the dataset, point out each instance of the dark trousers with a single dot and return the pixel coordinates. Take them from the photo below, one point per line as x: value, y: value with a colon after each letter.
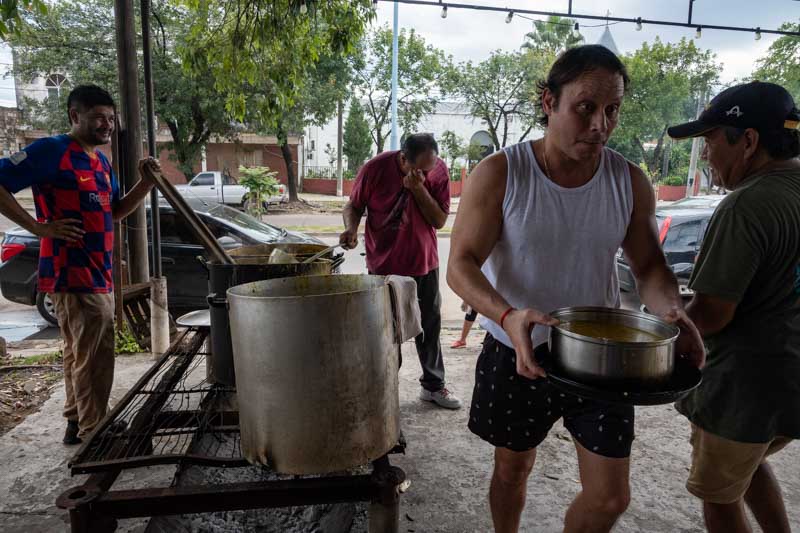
x: 429, y: 348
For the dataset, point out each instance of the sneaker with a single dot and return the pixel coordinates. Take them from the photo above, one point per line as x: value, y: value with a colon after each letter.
x: 458, y: 344
x: 442, y: 398
x: 71, y: 434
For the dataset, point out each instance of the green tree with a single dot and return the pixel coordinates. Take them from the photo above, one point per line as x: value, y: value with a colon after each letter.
x: 420, y: 71
x: 265, y: 57
x: 500, y: 91
x: 260, y: 183
x: 12, y: 14
x: 553, y: 35
x: 781, y: 64
x: 327, y: 82
x: 356, y: 142
x: 64, y: 40
x: 452, y: 147
x: 667, y: 80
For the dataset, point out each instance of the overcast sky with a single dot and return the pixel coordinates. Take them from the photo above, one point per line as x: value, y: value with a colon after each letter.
x: 470, y: 35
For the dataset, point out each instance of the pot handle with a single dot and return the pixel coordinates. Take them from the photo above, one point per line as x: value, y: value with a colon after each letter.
x: 214, y: 300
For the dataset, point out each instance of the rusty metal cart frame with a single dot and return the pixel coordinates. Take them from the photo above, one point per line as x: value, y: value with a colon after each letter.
x: 157, y: 422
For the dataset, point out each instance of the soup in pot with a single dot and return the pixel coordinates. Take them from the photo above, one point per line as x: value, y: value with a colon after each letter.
x: 609, y: 331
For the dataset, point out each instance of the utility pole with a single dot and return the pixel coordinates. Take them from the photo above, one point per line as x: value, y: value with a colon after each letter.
x: 339, y: 184
x: 394, y: 142
x: 695, y: 149
x: 159, y: 315
x: 131, y: 135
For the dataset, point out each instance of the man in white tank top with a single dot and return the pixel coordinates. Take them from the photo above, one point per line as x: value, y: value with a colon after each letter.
x: 538, y: 228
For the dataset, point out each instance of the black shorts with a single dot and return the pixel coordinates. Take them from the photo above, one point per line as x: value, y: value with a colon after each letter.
x: 514, y: 412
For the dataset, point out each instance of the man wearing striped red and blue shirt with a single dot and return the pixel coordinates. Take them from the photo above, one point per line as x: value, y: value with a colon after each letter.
x: 77, y: 201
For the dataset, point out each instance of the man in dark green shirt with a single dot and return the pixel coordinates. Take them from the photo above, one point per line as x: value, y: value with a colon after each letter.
x: 747, y: 307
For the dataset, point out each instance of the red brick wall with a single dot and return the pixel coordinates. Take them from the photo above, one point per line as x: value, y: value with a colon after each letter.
x: 671, y: 193
x: 320, y: 186
x: 220, y: 155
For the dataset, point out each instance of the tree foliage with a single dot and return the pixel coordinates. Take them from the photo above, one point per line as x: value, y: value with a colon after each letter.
x: 501, y: 91
x: 274, y: 61
x: 260, y: 183
x: 421, y: 68
x: 11, y: 15
x: 781, y: 64
x: 667, y: 80
x: 64, y: 40
x: 452, y: 147
x: 553, y: 35
x: 327, y: 83
x: 356, y: 142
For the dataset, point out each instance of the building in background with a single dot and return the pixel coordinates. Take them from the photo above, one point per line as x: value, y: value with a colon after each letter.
x: 248, y: 149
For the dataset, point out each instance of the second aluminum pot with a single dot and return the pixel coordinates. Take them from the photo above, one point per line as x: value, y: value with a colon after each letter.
x: 596, y: 361
x: 316, y: 371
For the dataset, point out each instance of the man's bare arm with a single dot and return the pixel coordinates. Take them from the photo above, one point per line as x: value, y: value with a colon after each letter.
x: 352, y: 219
x: 132, y: 200
x: 655, y: 281
x: 477, y: 229
x: 430, y: 208
x: 67, y: 229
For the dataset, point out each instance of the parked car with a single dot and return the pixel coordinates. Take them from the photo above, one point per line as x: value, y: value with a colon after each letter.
x: 187, y: 280
x: 693, y: 202
x: 681, y: 229
x: 222, y: 188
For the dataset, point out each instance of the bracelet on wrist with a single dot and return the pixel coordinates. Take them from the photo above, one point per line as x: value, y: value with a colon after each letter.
x: 504, y: 315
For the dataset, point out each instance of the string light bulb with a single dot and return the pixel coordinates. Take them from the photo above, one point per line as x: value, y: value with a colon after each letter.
x: 509, y: 17
x: 758, y: 34
x: 698, y: 33
x: 639, y: 24
x: 444, y: 12
x: 303, y: 8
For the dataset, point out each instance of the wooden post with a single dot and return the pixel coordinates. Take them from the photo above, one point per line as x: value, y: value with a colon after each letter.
x: 131, y: 135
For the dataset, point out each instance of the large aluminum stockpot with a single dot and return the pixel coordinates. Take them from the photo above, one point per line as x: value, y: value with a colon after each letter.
x: 316, y: 371
x: 600, y: 361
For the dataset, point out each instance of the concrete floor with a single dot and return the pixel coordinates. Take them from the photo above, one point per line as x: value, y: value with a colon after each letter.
x: 449, y: 468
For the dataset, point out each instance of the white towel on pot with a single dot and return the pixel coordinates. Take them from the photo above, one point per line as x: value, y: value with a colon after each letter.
x: 405, y: 308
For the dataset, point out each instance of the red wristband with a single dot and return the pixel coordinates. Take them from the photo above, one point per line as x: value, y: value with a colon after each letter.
x: 504, y: 315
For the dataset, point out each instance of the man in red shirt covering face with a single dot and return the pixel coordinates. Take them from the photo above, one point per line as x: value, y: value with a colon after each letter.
x: 77, y: 202
x: 406, y: 195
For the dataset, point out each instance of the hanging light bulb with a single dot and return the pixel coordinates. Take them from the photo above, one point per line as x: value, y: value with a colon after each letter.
x: 639, y: 24
x: 444, y: 12
x: 758, y: 34
x: 303, y: 8
x: 509, y: 17
x: 577, y: 27
x: 698, y: 33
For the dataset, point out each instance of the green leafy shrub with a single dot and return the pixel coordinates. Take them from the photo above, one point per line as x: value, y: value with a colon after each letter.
x: 125, y: 342
x: 260, y: 183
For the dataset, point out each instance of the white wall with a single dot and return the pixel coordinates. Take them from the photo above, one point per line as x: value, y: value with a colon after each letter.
x: 451, y: 116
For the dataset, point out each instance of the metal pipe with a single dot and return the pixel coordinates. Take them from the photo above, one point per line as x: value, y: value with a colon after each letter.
x: 394, y: 141
x: 151, y: 133
x: 131, y: 134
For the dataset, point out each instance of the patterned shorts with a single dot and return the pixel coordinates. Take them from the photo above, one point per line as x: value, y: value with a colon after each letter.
x: 514, y: 412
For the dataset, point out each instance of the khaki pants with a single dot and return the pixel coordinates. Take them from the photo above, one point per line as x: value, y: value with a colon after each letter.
x: 722, y: 469
x: 87, y: 327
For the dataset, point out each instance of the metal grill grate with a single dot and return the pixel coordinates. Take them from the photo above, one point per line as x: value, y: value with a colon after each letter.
x: 170, y: 407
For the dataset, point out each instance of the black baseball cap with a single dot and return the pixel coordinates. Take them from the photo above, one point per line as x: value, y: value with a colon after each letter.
x: 758, y: 105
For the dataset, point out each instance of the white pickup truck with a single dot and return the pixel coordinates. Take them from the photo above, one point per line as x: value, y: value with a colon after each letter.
x: 216, y: 187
